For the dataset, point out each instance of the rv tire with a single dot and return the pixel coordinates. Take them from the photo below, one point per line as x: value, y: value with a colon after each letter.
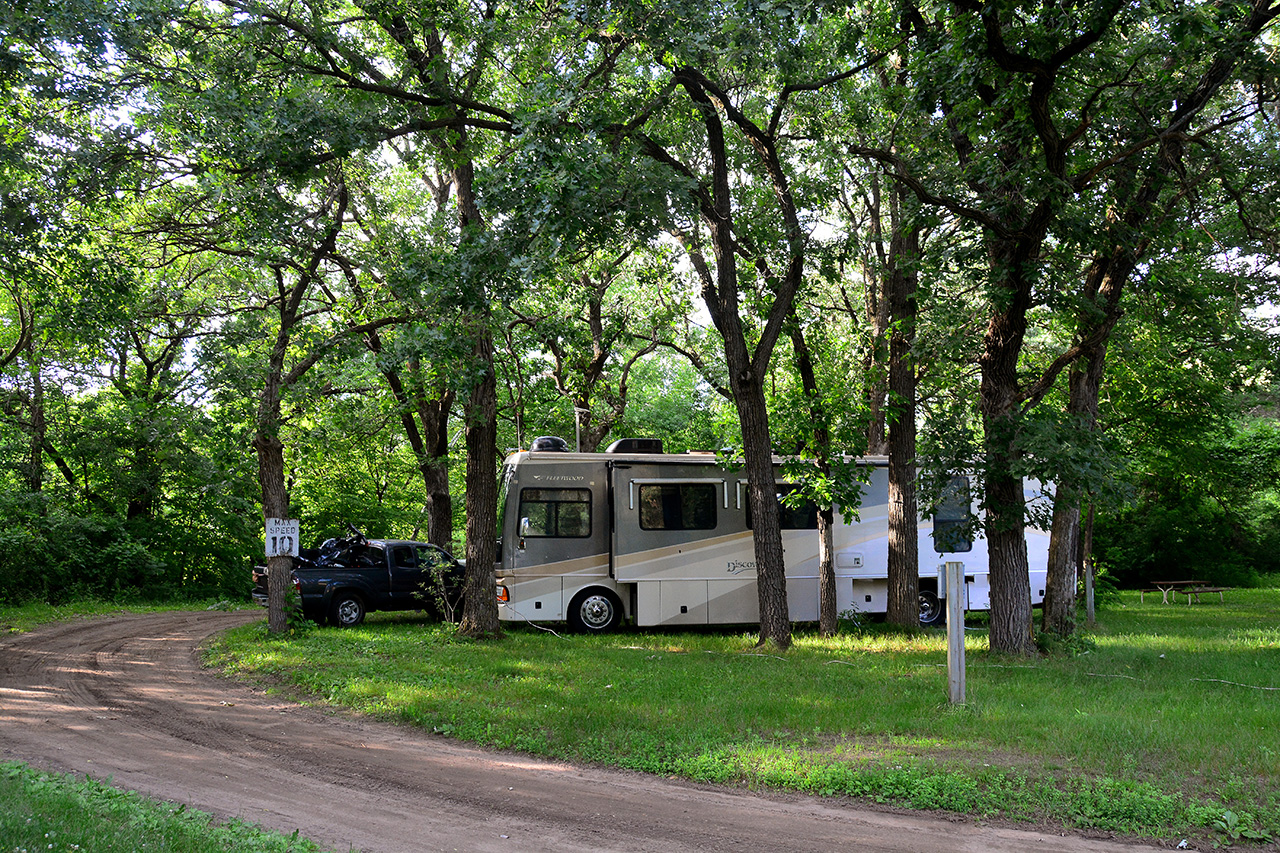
x: 595, y: 611
x: 931, y: 610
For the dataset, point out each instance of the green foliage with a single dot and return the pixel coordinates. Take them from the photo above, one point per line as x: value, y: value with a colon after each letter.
x: 1233, y: 830
x: 669, y: 400
x: 1213, y: 516
x: 57, y: 557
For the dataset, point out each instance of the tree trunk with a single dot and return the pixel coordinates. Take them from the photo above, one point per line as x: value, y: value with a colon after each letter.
x: 275, y: 496
x: 771, y: 579
x: 1011, y: 622
x: 275, y: 504
x: 266, y: 439
x: 746, y: 367
x: 903, y: 607
x: 430, y: 444
x: 901, y: 281
x: 1061, y: 582
x: 828, y: 616
x: 875, y: 271
x: 1086, y: 565
x: 480, y: 606
x: 1010, y: 579
x: 34, y: 465
x: 1059, y: 615
x: 434, y: 415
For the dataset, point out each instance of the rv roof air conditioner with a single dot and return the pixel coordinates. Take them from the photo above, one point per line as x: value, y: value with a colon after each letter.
x: 635, y: 445
x: 553, y: 443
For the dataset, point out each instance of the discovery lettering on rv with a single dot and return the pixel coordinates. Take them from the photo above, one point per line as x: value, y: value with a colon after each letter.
x: 737, y: 567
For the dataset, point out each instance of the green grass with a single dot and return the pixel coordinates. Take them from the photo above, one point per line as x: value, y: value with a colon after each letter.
x: 64, y: 814
x: 1163, y: 720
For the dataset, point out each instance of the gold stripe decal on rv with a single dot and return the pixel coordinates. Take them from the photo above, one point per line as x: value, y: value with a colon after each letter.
x: 596, y: 564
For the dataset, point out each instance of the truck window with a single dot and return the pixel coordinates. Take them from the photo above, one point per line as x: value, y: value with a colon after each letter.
x: 430, y: 558
x: 803, y: 517
x: 678, y: 506
x: 563, y: 513
x: 403, y: 557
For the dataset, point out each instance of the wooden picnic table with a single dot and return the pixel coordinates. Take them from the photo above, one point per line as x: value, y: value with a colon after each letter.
x: 1166, y: 587
x: 1195, y: 591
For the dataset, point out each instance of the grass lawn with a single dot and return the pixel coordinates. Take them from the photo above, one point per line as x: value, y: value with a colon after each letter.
x: 1164, y: 721
x: 44, y: 812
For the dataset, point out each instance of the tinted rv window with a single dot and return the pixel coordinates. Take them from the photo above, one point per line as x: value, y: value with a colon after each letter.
x: 803, y: 517
x: 556, y: 512
x: 678, y: 506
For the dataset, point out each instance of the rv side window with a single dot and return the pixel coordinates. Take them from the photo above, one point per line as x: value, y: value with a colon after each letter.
x: 803, y: 517
x: 678, y: 506
x: 564, y: 513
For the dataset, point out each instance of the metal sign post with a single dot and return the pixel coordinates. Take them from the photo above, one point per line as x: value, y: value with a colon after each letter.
x: 955, y: 631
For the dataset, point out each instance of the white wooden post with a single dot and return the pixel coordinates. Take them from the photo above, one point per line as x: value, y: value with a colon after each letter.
x: 956, y: 595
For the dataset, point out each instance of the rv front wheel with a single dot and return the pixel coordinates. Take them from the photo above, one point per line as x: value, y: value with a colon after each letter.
x: 595, y: 611
x: 931, y: 610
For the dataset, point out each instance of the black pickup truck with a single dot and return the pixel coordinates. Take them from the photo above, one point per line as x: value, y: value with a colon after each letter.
x: 346, y: 578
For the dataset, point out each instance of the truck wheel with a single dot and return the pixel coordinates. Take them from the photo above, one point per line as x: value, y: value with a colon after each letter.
x: 595, y: 611
x: 931, y: 610
x: 347, y: 610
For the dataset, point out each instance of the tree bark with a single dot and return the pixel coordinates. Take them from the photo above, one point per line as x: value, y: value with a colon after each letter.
x: 876, y: 272
x: 266, y: 439
x: 270, y: 450
x: 766, y: 529
x: 828, y: 615
x: 901, y: 282
x: 433, y: 412
x: 1011, y: 623
x: 746, y: 367
x: 34, y: 465
x: 480, y: 605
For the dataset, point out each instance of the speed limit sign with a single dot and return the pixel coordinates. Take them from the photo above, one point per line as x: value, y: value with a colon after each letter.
x: 282, y: 537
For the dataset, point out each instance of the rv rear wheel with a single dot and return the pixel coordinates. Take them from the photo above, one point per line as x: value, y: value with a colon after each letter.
x: 595, y: 611
x: 931, y: 610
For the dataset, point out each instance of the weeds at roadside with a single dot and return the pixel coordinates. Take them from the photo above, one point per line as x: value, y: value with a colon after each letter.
x: 63, y: 813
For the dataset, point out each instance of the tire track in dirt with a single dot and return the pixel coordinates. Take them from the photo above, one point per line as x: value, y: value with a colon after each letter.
x: 126, y: 698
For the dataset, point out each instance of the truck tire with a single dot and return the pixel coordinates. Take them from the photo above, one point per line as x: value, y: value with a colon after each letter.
x: 346, y: 610
x: 931, y: 610
x: 595, y: 611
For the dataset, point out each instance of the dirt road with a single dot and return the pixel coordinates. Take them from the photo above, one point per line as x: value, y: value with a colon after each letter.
x: 126, y: 698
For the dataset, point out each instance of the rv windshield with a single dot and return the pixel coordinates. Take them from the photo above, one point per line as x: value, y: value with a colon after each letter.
x: 504, y: 483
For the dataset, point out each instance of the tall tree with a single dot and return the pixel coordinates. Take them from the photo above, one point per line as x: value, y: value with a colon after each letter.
x: 1030, y: 127
x: 1143, y: 194
x: 727, y: 145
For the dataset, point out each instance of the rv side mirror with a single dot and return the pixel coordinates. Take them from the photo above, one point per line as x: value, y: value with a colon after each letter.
x: 952, y: 522
x: 524, y: 531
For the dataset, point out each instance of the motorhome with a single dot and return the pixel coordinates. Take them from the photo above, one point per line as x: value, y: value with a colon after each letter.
x: 665, y: 539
